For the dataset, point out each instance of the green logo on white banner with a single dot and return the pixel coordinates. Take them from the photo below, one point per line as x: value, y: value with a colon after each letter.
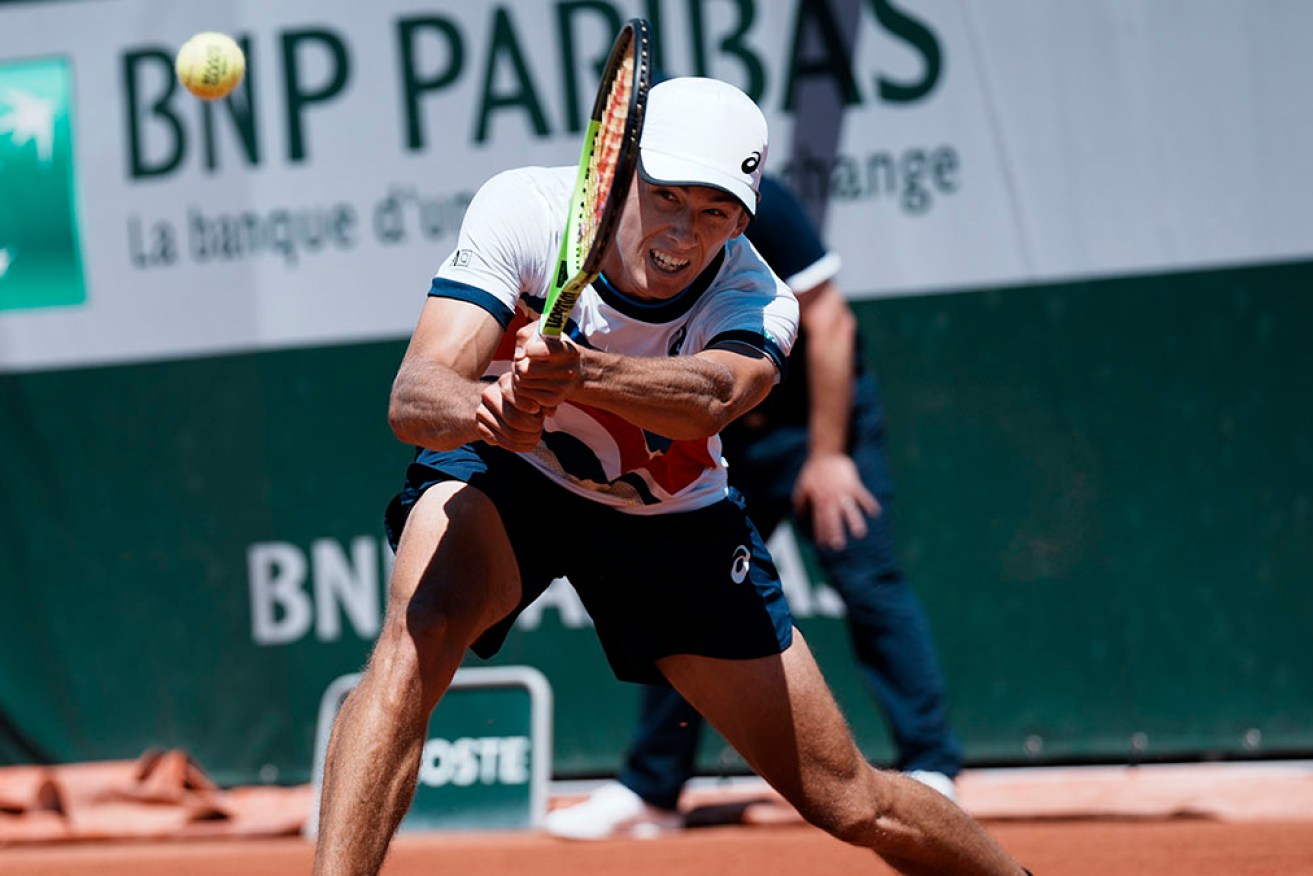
x: 40, y: 260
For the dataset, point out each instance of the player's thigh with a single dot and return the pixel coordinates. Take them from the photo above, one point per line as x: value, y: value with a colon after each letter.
x: 779, y: 714
x: 455, y: 571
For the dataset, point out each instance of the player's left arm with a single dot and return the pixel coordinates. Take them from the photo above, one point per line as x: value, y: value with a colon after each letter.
x: 679, y: 397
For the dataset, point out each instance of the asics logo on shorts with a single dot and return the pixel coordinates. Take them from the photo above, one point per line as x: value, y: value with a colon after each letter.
x: 739, y: 567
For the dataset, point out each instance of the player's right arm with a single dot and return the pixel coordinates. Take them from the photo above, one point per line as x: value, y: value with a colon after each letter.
x: 438, y: 400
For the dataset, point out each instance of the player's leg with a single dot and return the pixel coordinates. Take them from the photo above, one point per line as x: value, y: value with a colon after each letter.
x: 455, y: 575
x: 779, y: 715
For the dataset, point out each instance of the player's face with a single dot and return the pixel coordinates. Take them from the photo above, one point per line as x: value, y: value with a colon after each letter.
x: 667, y: 235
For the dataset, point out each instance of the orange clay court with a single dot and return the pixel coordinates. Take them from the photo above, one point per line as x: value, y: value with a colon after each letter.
x: 1201, y: 820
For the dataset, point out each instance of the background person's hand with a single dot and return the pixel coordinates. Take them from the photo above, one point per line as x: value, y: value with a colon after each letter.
x: 831, y: 487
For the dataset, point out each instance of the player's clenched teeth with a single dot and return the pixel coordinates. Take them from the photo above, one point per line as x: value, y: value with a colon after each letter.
x: 666, y: 263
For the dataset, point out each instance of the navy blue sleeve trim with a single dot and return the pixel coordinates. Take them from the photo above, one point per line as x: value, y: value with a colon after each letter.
x: 474, y: 295
x: 756, y: 341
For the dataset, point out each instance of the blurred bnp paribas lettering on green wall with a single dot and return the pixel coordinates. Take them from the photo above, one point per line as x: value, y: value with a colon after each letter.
x: 40, y: 259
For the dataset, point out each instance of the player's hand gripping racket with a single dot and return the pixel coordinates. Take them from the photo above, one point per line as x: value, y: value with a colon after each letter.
x: 606, y: 168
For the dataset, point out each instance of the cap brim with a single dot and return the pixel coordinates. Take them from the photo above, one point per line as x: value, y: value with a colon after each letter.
x: 670, y: 170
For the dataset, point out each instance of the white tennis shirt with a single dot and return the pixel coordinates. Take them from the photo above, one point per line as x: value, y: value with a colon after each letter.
x: 504, y: 259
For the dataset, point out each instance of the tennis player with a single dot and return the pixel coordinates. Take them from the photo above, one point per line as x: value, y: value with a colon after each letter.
x: 595, y: 455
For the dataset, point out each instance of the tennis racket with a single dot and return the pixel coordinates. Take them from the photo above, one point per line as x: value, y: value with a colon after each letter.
x: 606, y: 168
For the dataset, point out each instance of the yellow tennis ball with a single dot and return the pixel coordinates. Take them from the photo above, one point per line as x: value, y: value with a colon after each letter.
x: 210, y: 65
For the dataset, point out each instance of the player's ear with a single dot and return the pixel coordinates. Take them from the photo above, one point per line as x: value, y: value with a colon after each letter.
x: 744, y: 218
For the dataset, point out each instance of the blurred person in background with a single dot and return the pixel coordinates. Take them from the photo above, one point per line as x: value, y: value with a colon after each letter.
x: 814, y: 453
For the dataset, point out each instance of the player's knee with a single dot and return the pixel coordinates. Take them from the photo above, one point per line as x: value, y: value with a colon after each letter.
x: 438, y: 616
x: 847, y: 823
x: 853, y: 822
x: 437, y: 633
x: 428, y: 620
x: 850, y: 811
x: 862, y: 830
x: 416, y: 646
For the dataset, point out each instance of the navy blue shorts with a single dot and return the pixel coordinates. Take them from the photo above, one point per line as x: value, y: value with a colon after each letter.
x: 698, y: 582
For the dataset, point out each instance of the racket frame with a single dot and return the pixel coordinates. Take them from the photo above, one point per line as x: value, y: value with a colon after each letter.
x: 575, y: 270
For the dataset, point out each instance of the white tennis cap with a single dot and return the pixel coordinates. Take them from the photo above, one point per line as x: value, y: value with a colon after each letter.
x: 703, y: 132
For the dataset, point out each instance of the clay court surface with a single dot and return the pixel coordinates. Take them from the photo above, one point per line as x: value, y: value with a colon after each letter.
x: 1064, y: 848
x: 1219, y: 820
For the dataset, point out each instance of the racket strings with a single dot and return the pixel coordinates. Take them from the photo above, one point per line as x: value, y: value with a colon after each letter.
x: 605, y: 153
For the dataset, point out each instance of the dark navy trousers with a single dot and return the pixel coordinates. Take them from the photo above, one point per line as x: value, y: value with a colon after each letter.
x: 890, y: 633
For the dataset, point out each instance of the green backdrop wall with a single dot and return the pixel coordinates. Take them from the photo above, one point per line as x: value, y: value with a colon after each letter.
x: 1104, y: 500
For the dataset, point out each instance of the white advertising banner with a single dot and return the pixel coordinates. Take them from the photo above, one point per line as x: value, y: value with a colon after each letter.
x: 981, y: 144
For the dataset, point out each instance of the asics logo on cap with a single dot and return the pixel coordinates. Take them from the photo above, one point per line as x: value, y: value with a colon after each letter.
x: 751, y: 163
